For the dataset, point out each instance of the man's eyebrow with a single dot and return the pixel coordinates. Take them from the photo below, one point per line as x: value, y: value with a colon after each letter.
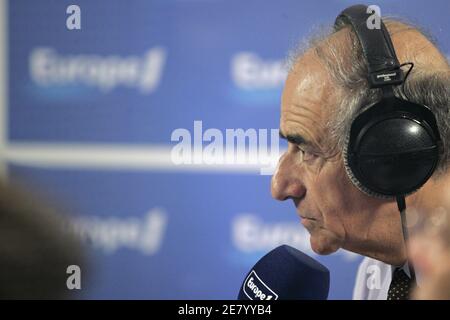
x: 295, y: 139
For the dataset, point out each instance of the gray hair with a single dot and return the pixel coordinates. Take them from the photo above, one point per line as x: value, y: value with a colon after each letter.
x: 348, y: 69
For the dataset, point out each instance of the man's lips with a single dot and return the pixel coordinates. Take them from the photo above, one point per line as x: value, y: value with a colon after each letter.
x: 308, y: 218
x: 301, y: 213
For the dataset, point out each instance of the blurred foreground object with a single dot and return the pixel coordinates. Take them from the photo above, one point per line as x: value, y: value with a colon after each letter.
x: 36, y: 248
x: 430, y: 252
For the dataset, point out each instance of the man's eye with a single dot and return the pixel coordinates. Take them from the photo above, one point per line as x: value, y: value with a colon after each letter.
x: 305, y: 155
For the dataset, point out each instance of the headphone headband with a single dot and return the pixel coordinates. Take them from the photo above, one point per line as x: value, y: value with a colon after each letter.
x: 383, y: 66
x: 393, y: 146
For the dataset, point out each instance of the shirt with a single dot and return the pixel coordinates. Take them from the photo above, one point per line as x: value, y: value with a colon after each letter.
x: 373, y: 279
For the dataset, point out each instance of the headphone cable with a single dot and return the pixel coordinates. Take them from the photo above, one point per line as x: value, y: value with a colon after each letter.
x: 411, y: 64
x: 401, y: 203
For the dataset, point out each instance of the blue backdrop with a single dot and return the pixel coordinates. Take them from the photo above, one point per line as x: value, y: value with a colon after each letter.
x: 90, y: 115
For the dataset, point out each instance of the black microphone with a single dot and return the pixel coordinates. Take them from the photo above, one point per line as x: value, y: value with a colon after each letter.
x: 286, y: 273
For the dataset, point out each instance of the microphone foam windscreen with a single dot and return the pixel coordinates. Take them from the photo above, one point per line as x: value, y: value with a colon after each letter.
x: 286, y: 273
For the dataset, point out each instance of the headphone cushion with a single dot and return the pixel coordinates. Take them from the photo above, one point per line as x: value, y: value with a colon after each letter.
x: 358, y: 184
x: 390, y: 153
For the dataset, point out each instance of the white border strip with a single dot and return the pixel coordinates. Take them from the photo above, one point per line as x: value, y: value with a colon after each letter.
x: 112, y: 157
x: 3, y: 87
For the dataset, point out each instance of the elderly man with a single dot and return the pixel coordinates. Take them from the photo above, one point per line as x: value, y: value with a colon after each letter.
x: 324, y: 91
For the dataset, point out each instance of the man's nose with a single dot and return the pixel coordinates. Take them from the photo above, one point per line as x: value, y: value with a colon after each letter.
x: 286, y: 182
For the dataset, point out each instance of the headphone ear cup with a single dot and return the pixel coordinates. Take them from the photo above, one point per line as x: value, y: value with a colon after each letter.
x: 358, y: 184
x: 392, y: 148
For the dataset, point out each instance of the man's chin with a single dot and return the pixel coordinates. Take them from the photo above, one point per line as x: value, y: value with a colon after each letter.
x: 324, y: 244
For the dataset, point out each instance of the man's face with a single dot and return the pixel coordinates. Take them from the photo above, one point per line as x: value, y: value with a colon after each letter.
x: 335, y: 213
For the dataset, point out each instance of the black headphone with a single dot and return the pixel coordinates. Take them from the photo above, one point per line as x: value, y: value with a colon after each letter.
x: 393, y: 146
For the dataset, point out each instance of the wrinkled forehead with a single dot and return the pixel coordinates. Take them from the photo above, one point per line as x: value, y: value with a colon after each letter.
x: 308, y: 95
